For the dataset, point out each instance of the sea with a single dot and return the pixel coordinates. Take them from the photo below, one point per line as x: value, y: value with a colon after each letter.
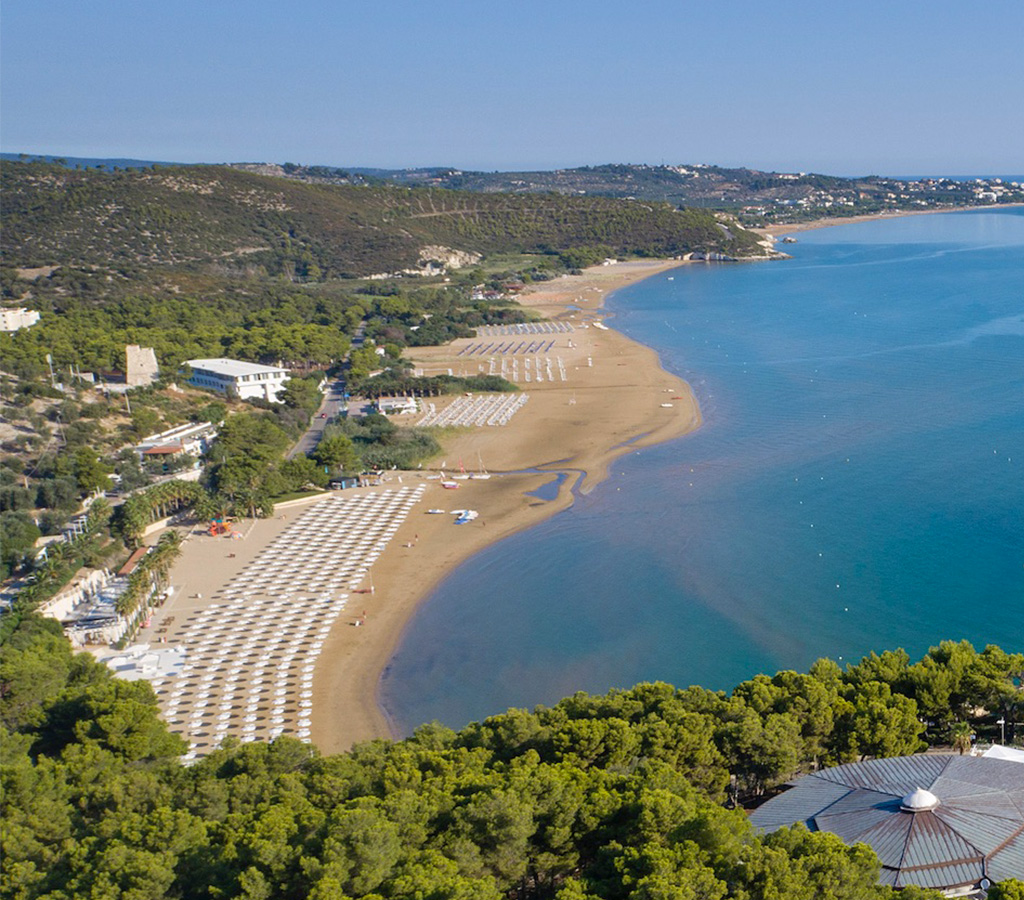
x: 857, y: 485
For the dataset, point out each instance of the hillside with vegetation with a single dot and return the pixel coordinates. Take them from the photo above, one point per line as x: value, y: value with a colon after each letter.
x: 211, y: 261
x: 757, y: 197
x: 225, y: 220
x: 634, y: 795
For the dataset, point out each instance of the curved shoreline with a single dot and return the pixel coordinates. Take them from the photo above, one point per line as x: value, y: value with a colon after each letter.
x: 578, y: 427
x: 616, y: 398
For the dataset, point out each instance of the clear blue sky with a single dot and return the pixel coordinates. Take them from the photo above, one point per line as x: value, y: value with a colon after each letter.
x: 894, y: 87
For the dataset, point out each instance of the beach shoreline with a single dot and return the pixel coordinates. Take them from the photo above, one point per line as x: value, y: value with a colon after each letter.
x: 614, y: 398
x: 812, y: 224
x: 575, y: 428
x: 601, y: 395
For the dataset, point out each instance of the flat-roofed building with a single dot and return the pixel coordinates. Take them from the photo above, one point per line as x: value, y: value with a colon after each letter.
x: 193, y: 439
x: 16, y: 319
x: 243, y: 380
x: 397, y: 406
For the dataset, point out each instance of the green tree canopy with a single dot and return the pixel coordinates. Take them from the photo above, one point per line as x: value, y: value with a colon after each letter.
x: 337, y: 453
x: 604, y: 797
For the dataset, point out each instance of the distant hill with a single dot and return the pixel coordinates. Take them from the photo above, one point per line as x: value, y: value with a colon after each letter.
x: 690, y: 185
x: 756, y: 197
x: 85, y: 162
x: 694, y: 185
x: 203, y: 217
x: 759, y: 198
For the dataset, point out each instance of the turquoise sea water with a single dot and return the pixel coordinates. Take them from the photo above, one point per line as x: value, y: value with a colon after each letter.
x: 858, y: 485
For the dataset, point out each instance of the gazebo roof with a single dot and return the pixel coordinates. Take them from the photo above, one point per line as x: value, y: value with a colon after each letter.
x: 937, y: 821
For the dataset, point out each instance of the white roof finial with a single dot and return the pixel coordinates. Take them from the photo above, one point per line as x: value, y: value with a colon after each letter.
x: 919, y: 800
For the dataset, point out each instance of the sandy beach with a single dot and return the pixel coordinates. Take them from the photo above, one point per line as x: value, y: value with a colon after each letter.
x: 615, y: 397
x: 607, y: 396
x: 578, y: 426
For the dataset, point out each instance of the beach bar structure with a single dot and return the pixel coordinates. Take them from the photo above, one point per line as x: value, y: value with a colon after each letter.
x: 396, y: 406
x: 235, y: 378
x: 953, y: 823
x: 193, y: 439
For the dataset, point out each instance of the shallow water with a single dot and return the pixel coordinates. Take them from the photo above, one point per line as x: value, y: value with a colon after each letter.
x: 857, y: 484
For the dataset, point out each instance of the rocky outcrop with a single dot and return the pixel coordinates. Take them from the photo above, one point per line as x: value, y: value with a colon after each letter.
x: 435, y: 260
x: 441, y: 258
x: 260, y: 168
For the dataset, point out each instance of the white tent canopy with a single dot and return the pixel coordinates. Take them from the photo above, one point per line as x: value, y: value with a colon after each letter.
x: 998, y: 751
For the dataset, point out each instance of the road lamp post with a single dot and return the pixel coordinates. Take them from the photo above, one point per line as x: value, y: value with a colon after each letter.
x: 1001, y: 722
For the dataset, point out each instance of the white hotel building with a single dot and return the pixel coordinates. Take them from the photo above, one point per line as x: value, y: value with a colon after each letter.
x: 237, y: 379
x: 16, y: 319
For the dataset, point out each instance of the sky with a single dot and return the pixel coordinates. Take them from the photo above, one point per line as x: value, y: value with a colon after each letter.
x: 900, y: 87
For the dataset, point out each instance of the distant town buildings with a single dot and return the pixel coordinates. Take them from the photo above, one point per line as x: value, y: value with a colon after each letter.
x: 141, y: 367
x: 243, y: 380
x: 479, y: 293
x: 16, y: 319
x: 876, y: 196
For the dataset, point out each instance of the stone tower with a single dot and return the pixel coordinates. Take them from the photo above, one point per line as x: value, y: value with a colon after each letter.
x: 141, y: 367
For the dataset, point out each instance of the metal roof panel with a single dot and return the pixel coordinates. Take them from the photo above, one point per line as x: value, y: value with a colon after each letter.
x: 888, y: 876
x: 851, y: 826
x: 897, y: 775
x: 932, y: 841
x: 949, y: 788
x: 1017, y: 799
x: 1008, y: 862
x: 859, y: 798
x: 987, y: 833
x: 992, y: 803
x: 798, y: 804
x: 941, y: 876
x: 1004, y: 774
x: 888, y: 839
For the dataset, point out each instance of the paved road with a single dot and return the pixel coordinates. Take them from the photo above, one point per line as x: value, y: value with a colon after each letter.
x: 333, y: 404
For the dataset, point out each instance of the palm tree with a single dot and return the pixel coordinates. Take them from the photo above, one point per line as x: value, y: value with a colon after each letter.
x: 134, y: 517
x: 131, y: 598
x: 170, y: 543
x: 960, y: 737
x: 208, y: 508
x: 166, y: 553
x: 156, y: 503
x: 99, y: 515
